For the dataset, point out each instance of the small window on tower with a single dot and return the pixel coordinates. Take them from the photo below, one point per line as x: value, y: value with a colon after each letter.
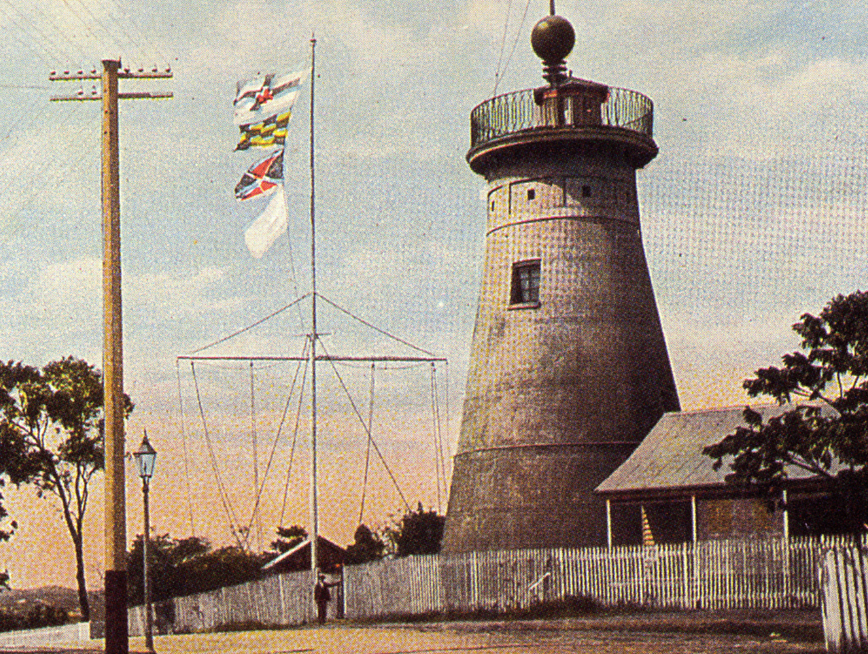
x: 531, y: 194
x: 586, y: 191
x: 525, y: 283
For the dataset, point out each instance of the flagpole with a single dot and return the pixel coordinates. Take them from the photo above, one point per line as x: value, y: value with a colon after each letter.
x: 314, y: 508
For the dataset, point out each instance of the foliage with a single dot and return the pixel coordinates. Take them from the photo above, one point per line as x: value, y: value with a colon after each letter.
x: 6, y: 529
x: 418, y: 532
x: 367, y: 546
x: 51, y: 438
x: 828, y: 436
x: 187, y: 566
x: 33, y: 616
x: 287, y: 538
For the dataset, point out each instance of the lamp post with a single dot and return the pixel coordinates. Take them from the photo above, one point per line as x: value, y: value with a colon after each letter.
x: 145, y: 457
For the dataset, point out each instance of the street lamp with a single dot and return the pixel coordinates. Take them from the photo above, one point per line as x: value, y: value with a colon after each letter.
x: 145, y: 457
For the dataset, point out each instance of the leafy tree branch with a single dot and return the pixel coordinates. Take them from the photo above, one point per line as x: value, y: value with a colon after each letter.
x: 51, y: 438
x: 827, y: 436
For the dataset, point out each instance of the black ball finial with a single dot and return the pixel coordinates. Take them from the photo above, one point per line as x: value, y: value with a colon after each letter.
x: 553, y: 39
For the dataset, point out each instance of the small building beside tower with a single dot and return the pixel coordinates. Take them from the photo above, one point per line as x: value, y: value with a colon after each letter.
x: 669, y: 488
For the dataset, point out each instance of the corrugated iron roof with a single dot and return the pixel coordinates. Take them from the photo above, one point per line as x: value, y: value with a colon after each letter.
x: 671, y: 455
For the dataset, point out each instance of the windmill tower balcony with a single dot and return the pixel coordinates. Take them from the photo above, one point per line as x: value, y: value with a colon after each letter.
x: 575, y: 115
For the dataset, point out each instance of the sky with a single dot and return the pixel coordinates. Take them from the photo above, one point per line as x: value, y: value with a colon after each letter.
x: 752, y: 214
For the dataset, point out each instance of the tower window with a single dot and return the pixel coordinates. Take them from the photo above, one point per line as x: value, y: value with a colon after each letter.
x: 586, y: 191
x: 531, y: 194
x: 525, y: 283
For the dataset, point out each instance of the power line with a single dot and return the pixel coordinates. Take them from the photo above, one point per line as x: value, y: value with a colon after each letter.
x: 127, y: 18
x: 95, y: 19
x: 40, y: 43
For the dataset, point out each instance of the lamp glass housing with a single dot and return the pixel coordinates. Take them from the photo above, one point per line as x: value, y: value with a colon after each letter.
x: 146, y: 457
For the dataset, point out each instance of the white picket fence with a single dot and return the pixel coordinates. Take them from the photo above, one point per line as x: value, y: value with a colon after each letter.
x: 284, y: 599
x: 709, y: 574
x: 844, y: 580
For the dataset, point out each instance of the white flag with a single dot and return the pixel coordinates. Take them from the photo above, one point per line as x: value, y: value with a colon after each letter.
x: 266, y: 229
x: 270, y: 95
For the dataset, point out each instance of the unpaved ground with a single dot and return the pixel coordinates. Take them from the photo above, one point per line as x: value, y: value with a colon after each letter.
x: 505, y: 640
x: 647, y: 634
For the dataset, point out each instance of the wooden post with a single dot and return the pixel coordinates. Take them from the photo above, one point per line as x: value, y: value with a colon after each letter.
x: 786, y: 516
x: 116, y: 633
x: 693, y: 535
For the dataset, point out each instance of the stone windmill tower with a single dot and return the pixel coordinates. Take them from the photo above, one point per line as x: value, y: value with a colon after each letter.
x: 568, y: 368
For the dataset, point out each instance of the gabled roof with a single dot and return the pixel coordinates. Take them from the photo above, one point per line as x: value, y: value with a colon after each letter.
x: 305, y: 544
x: 670, y: 457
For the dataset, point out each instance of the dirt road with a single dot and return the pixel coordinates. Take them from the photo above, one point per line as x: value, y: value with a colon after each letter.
x: 451, y: 638
x: 676, y: 633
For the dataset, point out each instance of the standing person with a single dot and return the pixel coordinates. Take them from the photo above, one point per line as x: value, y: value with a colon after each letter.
x: 322, y: 595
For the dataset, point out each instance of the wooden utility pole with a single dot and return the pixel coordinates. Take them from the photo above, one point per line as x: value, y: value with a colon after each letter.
x: 116, y: 633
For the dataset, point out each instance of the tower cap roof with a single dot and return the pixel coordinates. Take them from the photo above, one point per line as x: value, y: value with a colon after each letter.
x: 553, y: 39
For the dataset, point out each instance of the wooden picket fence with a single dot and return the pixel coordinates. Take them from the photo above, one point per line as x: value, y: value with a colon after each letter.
x: 709, y: 574
x: 844, y: 582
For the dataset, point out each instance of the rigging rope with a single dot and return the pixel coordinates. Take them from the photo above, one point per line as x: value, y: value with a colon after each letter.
x: 361, y: 420
x: 368, y: 448
x: 184, y: 449
x: 514, y: 43
x: 255, y: 458
x: 502, y: 48
x: 223, y: 496
x: 374, y: 327
x: 446, y: 374
x: 249, y: 327
x: 434, y: 425
x: 261, y: 487
x: 439, y: 424
x: 294, y: 439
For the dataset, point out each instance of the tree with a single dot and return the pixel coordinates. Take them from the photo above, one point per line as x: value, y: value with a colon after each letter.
x: 186, y: 566
x: 5, y: 529
x: 418, y: 532
x: 51, y: 438
x: 828, y: 435
x: 167, y: 558
x: 287, y: 538
x: 367, y: 546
